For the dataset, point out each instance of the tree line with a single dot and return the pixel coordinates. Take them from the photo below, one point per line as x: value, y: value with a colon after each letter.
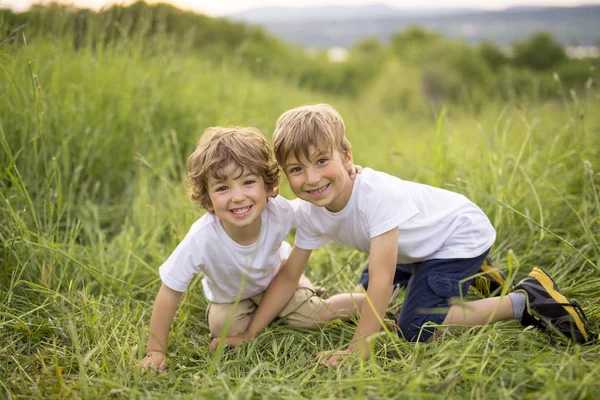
x: 414, y: 68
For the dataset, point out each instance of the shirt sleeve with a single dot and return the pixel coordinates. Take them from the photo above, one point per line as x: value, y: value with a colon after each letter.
x: 386, y: 208
x: 307, y: 234
x: 181, y: 266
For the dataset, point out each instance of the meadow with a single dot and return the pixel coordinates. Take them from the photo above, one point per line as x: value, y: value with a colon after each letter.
x: 94, y: 144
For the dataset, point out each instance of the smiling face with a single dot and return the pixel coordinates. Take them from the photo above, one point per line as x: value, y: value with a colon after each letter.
x: 238, y: 199
x: 321, y: 178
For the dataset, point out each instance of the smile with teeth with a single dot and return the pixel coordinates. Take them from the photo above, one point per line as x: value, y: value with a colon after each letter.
x: 318, y: 191
x: 241, y: 210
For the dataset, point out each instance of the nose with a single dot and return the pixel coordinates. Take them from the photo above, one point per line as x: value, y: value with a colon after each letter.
x: 312, y: 176
x: 238, y: 194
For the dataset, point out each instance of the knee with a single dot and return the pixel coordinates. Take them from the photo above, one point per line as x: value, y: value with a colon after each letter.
x: 218, y: 322
x: 416, y: 330
x: 308, y: 312
x: 216, y: 325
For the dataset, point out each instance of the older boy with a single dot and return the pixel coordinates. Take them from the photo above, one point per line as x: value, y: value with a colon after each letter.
x: 438, y: 239
x: 238, y: 245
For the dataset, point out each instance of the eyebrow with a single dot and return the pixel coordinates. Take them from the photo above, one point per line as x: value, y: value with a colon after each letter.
x: 248, y: 174
x: 317, y: 154
x: 221, y: 180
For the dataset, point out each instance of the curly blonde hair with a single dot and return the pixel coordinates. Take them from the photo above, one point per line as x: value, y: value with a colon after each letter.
x: 218, y: 147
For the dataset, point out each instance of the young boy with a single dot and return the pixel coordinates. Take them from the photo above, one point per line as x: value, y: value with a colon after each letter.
x: 431, y: 239
x: 238, y: 245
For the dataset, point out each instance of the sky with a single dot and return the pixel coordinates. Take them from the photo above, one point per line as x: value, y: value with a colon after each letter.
x: 224, y: 7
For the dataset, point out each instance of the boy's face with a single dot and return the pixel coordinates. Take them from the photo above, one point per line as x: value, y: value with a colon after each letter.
x: 238, y: 200
x: 322, y: 178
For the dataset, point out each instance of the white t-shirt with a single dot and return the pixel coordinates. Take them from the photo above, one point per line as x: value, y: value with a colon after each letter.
x: 433, y: 223
x: 229, y: 267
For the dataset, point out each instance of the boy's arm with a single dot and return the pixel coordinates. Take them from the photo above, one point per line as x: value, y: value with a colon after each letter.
x: 277, y: 295
x: 163, y: 312
x: 382, y: 263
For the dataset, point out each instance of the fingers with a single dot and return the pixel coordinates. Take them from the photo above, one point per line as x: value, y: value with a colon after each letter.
x: 163, y: 365
x: 331, y: 358
x: 354, y: 170
x: 153, y: 363
x: 214, y: 344
x: 323, y: 358
x: 229, y: 343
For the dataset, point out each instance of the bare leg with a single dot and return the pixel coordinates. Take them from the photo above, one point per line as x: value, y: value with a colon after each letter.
x: 359, y: 289
x: 307, y: 310
x: 480, y: 312
x: 476, y: 313
x: 343, y: 306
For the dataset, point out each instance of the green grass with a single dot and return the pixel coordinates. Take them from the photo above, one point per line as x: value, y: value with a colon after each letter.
x: 93, y: 156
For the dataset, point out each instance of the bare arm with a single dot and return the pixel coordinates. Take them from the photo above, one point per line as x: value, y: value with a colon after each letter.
x: 280, y: 290
x: 278, y: 294
x: 163, y: 312
x: 382, y: 262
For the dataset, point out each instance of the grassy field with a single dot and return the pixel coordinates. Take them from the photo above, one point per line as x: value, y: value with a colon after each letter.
x: 94, y: 144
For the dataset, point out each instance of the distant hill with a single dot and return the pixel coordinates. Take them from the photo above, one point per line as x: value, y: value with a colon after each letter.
x: 344, y: 26
x: 267, y: 15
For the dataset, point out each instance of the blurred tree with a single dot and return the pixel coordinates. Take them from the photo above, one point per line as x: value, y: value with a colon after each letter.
x: 368, y: 47
x: 540, y: 52
x: 411, y: 39
x: 493, y: 56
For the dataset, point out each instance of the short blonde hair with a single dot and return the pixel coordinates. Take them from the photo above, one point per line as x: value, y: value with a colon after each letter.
x: 218, y: 147
x: 301, y: 127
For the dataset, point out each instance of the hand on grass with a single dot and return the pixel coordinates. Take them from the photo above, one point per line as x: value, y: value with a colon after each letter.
x: 332, y: 357
x: 230, y: 341
x: 155, y: 361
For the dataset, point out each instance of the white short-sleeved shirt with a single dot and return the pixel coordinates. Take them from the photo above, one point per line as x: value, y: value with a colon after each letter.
x: 433, y: 223
x: 229, y: 267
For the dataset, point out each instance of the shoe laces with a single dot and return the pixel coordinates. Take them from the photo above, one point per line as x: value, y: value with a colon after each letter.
x: 579, y: 311
x: 542, y: 323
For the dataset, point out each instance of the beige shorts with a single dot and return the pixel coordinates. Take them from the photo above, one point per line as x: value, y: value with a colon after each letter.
x: 304, y: 310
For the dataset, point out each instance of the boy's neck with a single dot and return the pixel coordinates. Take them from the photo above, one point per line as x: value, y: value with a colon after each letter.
x: 342, y: 200
x: 244, y: 236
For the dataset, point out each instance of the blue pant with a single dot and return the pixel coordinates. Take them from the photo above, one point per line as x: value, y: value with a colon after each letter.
x: 429, y: 286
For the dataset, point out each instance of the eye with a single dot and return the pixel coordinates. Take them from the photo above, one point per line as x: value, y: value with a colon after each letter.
x: 321, y: 161
x: 249, y: 182
x: 293, y: 170
x: 221, y: 189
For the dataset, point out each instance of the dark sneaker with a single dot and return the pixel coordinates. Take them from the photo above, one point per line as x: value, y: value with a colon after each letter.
x: 490, y: 281
x: 549, y: 310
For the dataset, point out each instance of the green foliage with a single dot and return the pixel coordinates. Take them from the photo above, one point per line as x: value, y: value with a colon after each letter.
x: 448, y: 71
x: 493, y: 56
x: 579, y: 73
x: 406, y: 43
x: 161, y: 28
x: 398, y: 89
x: 540, y: 52
x: 93, y: 147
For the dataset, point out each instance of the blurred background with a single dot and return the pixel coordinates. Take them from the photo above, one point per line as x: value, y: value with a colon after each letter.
x: 400, y: 58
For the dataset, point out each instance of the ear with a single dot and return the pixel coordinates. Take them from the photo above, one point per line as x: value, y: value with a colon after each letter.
x: 348, y: 162
x: 271, y: 193
x: 349, y: 157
